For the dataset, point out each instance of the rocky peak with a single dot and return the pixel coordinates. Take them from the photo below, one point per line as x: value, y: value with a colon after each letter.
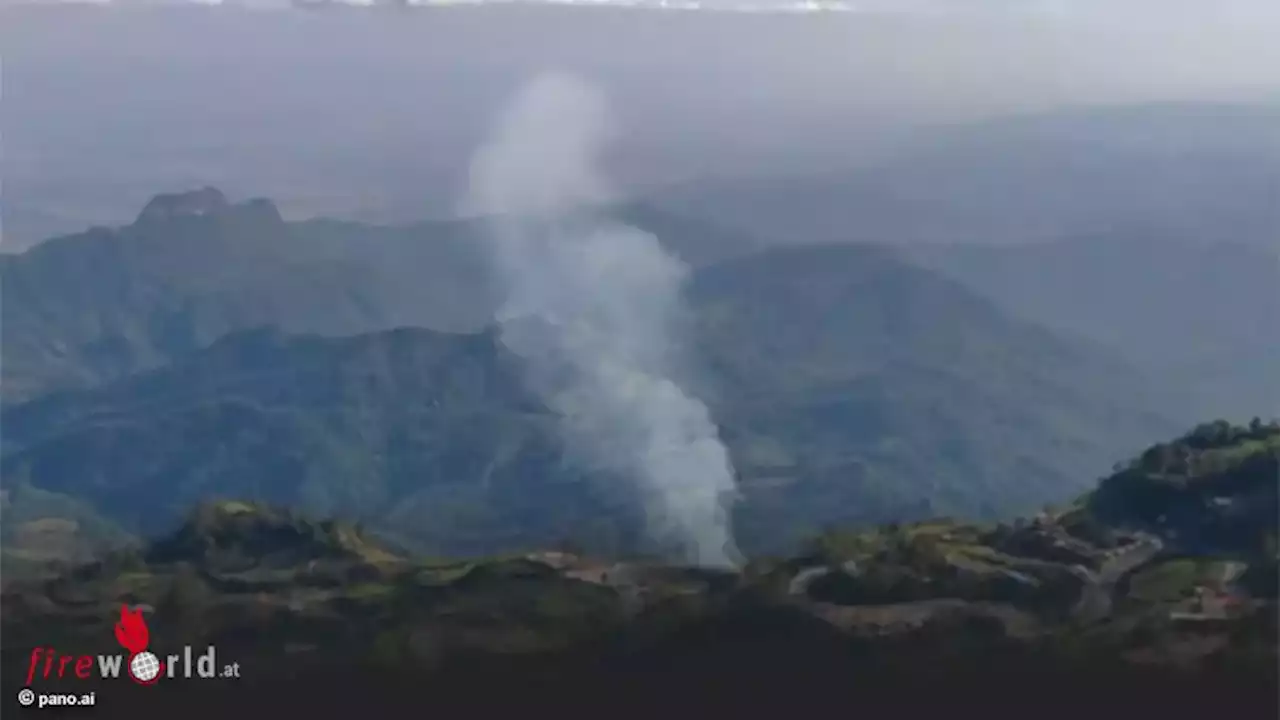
x: 166, y: 206
x: 260, y: 210
x: 219, y: 532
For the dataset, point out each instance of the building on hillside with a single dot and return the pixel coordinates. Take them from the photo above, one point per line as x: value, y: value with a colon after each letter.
x: 1210, y: 603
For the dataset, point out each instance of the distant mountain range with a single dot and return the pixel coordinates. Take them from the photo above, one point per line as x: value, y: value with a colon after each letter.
x: 775, y: 161
x: 851, y: 384
x: 101, y: 304
x: 1182, y: 173
x: 1193, y: 315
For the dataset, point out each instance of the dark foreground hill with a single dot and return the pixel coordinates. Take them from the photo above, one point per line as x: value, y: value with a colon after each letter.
x: 1158, y: 589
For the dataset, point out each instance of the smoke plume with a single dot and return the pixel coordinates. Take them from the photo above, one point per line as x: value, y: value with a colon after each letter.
x: 593, y: 306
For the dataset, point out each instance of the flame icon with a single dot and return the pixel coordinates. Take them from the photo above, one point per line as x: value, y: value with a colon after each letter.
x: 131, y: 631
x: 132, y: 634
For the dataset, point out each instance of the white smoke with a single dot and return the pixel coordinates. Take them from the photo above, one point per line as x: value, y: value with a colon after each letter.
x: 593, y: 305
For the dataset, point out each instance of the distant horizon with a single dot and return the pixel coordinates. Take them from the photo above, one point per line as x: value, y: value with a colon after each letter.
x: 370, y: 113
x: 123, y: 213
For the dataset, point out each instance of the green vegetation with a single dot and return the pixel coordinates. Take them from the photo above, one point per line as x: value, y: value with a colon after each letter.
x: 38, y: 528
x: 935, y: 559
x: 852, y: 387
x: 1173, y: 580
x: 1212, y: 490
x: 270, y: 583
x: 90, y: 308
x: 233, y: 533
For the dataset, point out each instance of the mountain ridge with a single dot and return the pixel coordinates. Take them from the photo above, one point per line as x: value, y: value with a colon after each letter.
x: 1175, y: 308
x: 133, y: 297
x: 308, y: 419
x: 850, y: 384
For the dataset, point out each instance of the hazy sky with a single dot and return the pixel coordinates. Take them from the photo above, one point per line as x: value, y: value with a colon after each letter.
x: 103, y: 107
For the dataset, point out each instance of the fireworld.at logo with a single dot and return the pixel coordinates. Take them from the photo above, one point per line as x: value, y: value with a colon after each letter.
x: 144, y: 666
x: 132, y: 634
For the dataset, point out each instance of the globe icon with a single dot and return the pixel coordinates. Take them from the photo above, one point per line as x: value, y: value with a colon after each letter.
x: 145, y: 666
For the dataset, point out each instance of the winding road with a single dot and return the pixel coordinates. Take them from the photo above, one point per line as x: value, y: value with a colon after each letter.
x: 1096, y: 597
